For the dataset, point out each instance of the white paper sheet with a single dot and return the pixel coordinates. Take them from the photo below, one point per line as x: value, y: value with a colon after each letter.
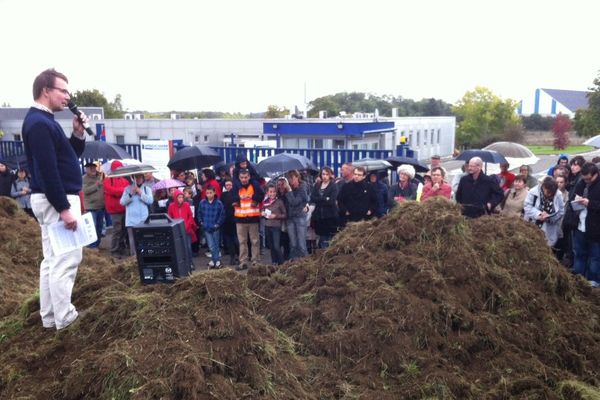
x: 64, y: 240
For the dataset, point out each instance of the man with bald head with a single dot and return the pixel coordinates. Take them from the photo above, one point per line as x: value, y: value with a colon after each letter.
x: 478, y: 193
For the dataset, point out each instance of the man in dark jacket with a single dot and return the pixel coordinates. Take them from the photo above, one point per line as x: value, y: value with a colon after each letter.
x: 586, y: 238
x: 6, y: 180
x: 357, y: 199
x: 477, y: 192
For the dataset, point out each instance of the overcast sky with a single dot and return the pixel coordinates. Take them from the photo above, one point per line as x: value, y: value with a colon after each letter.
x: 242, y: 55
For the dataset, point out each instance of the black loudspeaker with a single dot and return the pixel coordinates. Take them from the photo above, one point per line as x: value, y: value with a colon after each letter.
x: 160, y: 245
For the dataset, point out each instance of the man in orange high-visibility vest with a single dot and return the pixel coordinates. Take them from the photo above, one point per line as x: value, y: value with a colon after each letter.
x: 246, y: 203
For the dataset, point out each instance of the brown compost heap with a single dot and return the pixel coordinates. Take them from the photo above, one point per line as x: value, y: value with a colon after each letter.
x: 422, y: 304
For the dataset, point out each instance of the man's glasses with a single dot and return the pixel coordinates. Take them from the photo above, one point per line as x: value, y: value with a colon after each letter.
x: 63, y: 91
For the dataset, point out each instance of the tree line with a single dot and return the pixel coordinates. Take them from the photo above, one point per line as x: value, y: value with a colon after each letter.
x: 481, y: 116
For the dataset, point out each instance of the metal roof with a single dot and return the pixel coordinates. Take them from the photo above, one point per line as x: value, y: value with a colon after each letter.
x: 14, y: 113
x: 572, y: 99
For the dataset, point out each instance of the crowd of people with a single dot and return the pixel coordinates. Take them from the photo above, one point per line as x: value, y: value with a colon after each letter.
x: 565, y: 205
x: 238, y: 213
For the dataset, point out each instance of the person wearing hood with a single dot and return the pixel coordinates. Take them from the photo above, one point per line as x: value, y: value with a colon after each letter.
x: 113, y: 191
x: 381, y: 190
x: 242, y: 163
x: 563, y: 160
x: 6, y: 180
x: 136, y: 198
x: 530, y: 180
x: 181, y: 209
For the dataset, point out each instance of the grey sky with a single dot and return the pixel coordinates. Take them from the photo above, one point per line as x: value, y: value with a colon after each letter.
x: 244, y: 55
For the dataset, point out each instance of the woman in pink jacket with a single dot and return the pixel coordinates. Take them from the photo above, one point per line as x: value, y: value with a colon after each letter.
x: 437, y: 186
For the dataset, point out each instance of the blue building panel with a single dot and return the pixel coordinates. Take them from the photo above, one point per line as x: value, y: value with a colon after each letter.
x: 333, y: 128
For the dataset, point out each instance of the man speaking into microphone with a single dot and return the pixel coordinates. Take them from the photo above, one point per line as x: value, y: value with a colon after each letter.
x: 55, y: 184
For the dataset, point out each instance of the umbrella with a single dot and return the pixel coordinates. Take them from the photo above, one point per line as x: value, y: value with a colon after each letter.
x: 15, y: 162
x: 128, y: 170
x: 193, y: 157
x: 222, y: 166
x: 102, y: 150
x: 126, y: 161
x: 399, y: 160
x: 510, y: 149
x: 167, y: 184
x: 372, y: 164
x: 487, y: 156
x: 516, y: 154
x: 593, y: 141
x: 281, y: 163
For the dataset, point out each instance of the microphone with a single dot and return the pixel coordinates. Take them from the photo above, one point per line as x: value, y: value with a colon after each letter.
x: 73, y: 107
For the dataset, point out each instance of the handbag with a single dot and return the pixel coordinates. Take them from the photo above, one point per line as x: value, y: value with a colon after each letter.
x: 571, y: 218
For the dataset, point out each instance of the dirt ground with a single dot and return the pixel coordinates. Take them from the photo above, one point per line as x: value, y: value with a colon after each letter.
x: 422, y: 304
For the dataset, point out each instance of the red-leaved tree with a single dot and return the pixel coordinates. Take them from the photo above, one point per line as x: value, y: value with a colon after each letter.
x: 560, y: 128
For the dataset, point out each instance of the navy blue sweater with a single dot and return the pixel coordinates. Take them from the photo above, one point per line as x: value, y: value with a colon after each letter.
x: 53, y: 159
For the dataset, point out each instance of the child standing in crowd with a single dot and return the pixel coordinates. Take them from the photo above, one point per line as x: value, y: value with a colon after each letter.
x: 273, y: 211
x: 211, y: 215
x: 180, y: 209
x: 21, y: 192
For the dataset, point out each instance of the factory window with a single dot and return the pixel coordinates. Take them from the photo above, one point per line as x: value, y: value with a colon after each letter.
x: 120, y: 139
x: 338, y: 144
x: 17, y: 137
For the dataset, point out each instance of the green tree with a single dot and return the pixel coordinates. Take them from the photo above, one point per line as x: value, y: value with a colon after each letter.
x: 274, y: 111
x: 95, y: 98
x: 368, y: 102
x: 587, y: 122
x: 483, y: 117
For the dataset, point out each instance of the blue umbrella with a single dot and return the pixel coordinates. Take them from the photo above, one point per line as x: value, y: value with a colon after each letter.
x: 487, y: 156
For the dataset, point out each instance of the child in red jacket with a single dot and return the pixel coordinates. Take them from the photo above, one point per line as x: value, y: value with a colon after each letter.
x: 180, y: 209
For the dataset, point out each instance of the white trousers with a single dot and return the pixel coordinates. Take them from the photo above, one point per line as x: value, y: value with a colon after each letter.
x: 57, y: 272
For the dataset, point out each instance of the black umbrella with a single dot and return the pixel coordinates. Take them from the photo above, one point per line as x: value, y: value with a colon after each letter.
x: 281, y: 163
x: 222, y: 166
x: 193, y: 157
x: 102, y: 150
x: 396, y: 161
x: 487, y: 156
x: 15, y: 162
